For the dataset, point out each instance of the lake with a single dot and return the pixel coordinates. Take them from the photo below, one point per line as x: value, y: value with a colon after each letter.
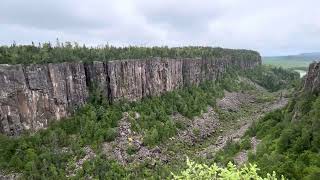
x: 301, y: 72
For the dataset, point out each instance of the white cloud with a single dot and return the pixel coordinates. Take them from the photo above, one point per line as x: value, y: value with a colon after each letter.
x: 269, y: 26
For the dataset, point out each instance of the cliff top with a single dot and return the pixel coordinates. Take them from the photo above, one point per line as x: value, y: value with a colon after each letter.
x: 67, y: 52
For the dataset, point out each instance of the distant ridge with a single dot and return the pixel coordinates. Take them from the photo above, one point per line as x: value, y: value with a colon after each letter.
x: 299, y: 61
x: 302, y: 56
x: 312, y: 55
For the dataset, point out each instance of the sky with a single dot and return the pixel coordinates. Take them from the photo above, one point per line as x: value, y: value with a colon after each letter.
x: 272, y: 27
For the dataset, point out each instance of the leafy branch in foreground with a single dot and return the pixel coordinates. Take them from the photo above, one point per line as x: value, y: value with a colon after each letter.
x: 203, y: 171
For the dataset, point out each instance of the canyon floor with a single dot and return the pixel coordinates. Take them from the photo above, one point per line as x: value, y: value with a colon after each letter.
x: 201, y: 138
x: 224, y: 124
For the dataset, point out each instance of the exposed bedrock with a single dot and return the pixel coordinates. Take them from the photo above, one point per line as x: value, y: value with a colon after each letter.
x: 312, y: 80
x: 33, y: 95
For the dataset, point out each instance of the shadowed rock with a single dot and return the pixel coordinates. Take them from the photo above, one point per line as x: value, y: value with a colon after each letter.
x: 312, y: 80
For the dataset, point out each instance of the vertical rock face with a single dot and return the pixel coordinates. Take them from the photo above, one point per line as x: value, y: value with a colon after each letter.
x: 13, y: 93
x: 162, y: 75
x: 33, y: 95
x: 97, y: 76
x: 312, y: 80
x: 134, y: 79
x: 126, y: 79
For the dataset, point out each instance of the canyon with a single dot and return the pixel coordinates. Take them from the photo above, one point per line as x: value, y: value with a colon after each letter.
x: 31, y: 96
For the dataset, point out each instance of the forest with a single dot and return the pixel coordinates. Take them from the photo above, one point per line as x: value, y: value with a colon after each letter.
x: 51, y: 153
x: 67, y: 51
x: 290, y: 139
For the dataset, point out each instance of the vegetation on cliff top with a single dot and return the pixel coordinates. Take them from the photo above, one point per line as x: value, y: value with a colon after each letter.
x: 66, y: 52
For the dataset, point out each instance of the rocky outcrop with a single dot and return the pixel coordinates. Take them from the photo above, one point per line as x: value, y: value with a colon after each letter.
x: 312, y: 79
x: 33, y: 95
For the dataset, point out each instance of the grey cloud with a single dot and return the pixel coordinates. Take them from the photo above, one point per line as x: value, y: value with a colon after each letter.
x: 59, y: 14
x: 269, y: 26
x: 181, y: 15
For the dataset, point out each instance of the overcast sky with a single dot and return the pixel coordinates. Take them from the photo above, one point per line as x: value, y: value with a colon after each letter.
x: 272, y: 27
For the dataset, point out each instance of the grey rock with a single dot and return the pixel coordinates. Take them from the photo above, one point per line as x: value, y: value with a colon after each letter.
x: 312, y: 79
x: 33, y: 95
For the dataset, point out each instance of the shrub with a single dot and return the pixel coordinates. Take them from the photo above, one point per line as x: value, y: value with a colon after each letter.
x: 132, y: 149
x: 152, y: 137
x: 245, y: 144
x: 203, y: 171
x: 111, y: 134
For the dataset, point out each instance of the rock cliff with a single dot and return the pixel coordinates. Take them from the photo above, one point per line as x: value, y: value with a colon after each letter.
x: 33, y: 95
x: 312, y: 79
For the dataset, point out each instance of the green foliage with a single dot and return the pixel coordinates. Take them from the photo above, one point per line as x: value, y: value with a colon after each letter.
x: 64, y: 52
x: 289, y: 145
x: 132, y: 149
x: 229, y: 151
x: 42, y: 155
x: 101, y: 168
x: 152, y: 137
x: 245, y: 144
x: 273, y: 78
x: 110, y: 134
x: 203, y: 171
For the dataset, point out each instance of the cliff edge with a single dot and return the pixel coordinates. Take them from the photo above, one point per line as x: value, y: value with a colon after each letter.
x: 312, y: 80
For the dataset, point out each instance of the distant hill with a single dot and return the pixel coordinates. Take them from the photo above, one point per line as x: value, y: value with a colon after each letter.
x: 299, y: 61
x: 310, y: 55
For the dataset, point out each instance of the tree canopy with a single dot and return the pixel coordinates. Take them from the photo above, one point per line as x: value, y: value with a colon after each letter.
x: 64, y: 52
